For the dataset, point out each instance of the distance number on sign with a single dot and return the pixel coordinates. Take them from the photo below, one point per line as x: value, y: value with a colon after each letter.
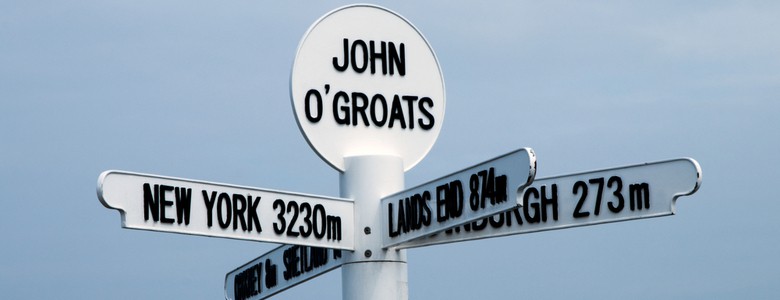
x: 638, y: 196
x: 313, y: 220
x: 414, y: 212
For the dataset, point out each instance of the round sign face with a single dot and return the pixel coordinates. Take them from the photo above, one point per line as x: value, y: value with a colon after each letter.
x: 366, y: 82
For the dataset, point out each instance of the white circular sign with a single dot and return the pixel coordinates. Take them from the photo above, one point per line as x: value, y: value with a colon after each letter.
x: 366, y: 82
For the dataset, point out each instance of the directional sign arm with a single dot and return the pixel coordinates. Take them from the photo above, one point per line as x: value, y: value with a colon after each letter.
x: 461, y: 197
x: 278, y: 270
x: 581, y: 199
x: 160, y: 203
x: 670, y: 179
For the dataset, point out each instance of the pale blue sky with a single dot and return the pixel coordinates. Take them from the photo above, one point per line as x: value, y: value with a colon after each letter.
x: 200, y: 89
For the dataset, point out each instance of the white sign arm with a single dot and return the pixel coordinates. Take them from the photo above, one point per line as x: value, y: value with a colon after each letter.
x: 461, y: 197
x: 278, y: 270
x: 588, y: 198
x: 159, y: 203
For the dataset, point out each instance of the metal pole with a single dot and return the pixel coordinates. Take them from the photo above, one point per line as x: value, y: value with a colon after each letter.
x: 372, y: 272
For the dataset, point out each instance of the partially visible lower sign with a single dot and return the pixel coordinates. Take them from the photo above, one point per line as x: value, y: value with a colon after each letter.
x: 278, y: 270
x: 159, y: 203
x: 461, y: 197
x: 589, y: 198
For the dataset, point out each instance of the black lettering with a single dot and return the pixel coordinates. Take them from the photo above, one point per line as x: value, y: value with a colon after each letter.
x: 500, y: 187
x: 428, y: 124
x: 344, y: 108
x: 359, y: 109
x: 410, y: 107
x: 343, y: 67
x: 224, y: 198
x: 396, y: 113
x: 151, y: 203
x: 441, y: 202
x: 599, y: 194
x: 411, y: 213
x: 319, y: 214
x: 297, y: 268
x: 550, y: 200
x: 183, y: 201
x: 282, y: 225
x: 639, y: 194
x: 488, y: 186
x: 319, y: 256
x: 239, y: 291
x: 292, y: 207
x: 291, y: 259
x: 336, y: 253
x: 238, y: 211
x: 307, y: 106
x: 531, y: 192
x: 209, y: 201
x: 252, y: 214
x: 397, y: 59
x: 164, y: 203
x: 247, y: 283
x: 474, y: 202
x: 378, y: 99
x: 394, y: 232
x: 334, y: 227
x: 616, y: 208
x: 580, y: 185
x: 305, y: 255
x: 381, y: 55
x: 425, y: 209
x: 450, y: 198
x: 306, y: 212
x: 455, y: 199
x: 403, y: 224
x: 353, y: 57
x: 270, y: 274
x: 254, y: 281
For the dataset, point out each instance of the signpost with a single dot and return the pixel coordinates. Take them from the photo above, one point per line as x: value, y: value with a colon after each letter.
x: 588, y: 198
x: 159, y: 203
x: 476, y: 192
x: 278, y: 270
x: 368, y: 96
